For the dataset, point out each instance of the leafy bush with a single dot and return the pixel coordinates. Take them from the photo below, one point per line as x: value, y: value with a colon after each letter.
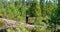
x: 58, y: 30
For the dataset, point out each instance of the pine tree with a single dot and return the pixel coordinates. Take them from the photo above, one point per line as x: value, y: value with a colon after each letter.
x: 35, y: 11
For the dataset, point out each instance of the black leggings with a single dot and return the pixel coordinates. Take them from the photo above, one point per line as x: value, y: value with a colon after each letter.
x: 26, y: 19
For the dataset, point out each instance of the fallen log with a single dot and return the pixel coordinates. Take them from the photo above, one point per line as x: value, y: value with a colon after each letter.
x: 12, y: 23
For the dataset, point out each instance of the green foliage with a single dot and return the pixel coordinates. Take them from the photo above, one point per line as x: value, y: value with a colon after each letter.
x: 58, y: 30
x: 2, y: 23
x: 35, y: 10
x: 17, y: 11
x: 20, y: 28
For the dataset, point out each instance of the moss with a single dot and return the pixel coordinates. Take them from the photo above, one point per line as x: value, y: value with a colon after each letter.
x: 2, y: 23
